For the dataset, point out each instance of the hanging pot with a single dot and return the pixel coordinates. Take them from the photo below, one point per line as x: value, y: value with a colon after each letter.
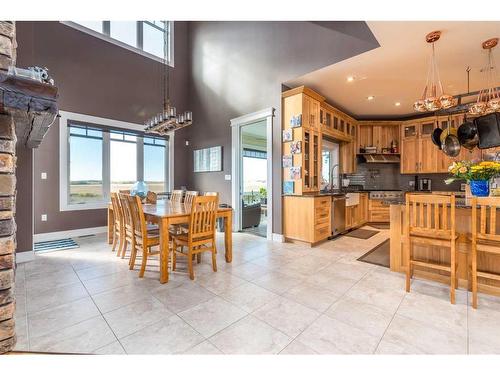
x: 467, y: 135
x: 436, y: 134
x: 451, y: 145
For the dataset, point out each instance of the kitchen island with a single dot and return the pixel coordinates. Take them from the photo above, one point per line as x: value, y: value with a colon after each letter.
x: 398, y: 248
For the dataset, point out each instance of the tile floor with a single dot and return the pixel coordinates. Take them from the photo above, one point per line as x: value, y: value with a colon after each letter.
x: 274, y: 298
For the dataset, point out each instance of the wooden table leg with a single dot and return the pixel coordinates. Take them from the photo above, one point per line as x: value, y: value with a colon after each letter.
x: 164, y: 251
x: 110, y: 225
x: 228, y: 236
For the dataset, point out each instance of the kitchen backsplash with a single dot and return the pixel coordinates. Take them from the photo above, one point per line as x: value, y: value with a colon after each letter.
x: 388, y: 177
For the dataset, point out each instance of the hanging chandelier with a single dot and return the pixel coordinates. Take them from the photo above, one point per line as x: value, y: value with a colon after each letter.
x: 168, y: 120
x: 488, y: 99
x: 433, y: 98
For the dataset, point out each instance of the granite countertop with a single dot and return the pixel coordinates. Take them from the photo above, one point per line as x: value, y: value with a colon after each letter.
x: 459, y: 202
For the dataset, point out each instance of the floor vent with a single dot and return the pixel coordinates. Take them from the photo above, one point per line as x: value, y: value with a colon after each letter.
x: 64, y: 244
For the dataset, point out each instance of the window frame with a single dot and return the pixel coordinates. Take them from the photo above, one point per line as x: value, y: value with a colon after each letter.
x: 65, y: 120
x: 105, y: 35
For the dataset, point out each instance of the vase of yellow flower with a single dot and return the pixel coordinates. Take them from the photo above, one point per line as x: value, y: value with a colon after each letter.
x: 477, y: 175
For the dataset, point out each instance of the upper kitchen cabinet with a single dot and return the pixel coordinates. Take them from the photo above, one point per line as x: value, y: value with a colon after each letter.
x: 418, y: 153
x: 336, y: 124
x: 380, y: 134
x: 301, y: 141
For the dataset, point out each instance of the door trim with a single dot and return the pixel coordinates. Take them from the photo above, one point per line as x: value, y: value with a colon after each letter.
x: 236, y: 124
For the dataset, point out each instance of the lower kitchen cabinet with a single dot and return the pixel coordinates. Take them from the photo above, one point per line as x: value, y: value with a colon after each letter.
x: 307, y: 218
x: 377, y: 211
x: 357, y: 215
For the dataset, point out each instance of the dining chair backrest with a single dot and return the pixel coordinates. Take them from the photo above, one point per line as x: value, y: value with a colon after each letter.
x: 202, y: 220
x: 488, y: 208
x: 117, y: 210
x: 176, y: 196
x: 188, y: 198
x: 137, y: 215
x: 427, y: 214
x: 211, y: 194
x: 124, y: 191
x: 151, y: 197
x: 127, y: 215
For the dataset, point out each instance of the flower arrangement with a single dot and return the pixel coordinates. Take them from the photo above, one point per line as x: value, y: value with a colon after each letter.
x: 469, y: 171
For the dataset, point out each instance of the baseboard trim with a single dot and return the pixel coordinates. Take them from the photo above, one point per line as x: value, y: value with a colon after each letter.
x: 52, y: 236
x: 278, y: 237
x: 25, y: 256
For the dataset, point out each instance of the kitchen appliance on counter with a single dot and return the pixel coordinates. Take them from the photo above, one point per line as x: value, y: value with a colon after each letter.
x: 338, y: 215
x: 424, y: 184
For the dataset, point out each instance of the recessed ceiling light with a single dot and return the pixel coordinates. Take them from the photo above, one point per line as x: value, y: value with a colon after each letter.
x: 371, y: 97
x: 397, y: 104
x: 350, y: 78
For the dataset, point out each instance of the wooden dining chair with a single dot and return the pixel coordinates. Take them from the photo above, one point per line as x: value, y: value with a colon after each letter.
x: 211, y: 194
x: 151, y: 197
x: 485, y: 238
x: 189, y: 196
x: 118, y: 226
x: 125, y: 191
x: 201, y: 233
x: 143, y: 238
x: 429, y: 224
x: 176, y: 196
x: 128, y: 229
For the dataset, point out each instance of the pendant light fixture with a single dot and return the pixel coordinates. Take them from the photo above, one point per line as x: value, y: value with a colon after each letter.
x: 488, y: 99
x: 433, y: 98
x: 168, y: 120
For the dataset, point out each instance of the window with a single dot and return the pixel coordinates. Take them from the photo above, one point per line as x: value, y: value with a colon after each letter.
x: 155, y: 156
x: 123, y: 160
x: 103, y: 156
x: 85, y: 165
x: 144, y: 37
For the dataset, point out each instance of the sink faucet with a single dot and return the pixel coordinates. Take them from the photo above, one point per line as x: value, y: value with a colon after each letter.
x: 331, y: 175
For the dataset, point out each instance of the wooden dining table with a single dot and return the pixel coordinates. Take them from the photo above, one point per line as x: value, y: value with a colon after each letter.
x: 166, y: 213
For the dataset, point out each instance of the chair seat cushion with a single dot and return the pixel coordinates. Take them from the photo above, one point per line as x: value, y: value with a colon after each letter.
x: 184, y: 238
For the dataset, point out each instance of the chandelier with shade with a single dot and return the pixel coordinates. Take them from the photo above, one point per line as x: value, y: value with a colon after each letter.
x: 168, y: 120
x: 488, y: 99
x: 433, y: 97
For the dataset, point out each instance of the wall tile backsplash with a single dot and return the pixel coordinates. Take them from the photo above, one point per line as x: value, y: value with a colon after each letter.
x: 388, y: 177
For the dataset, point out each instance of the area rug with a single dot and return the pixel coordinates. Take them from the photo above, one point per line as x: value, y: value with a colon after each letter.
x: 64, y: 244
x: 379, y: 255
x: 363, y: 234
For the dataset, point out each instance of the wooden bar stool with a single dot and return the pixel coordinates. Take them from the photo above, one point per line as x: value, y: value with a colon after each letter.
x: 428, y: 224
x: 485, y: 239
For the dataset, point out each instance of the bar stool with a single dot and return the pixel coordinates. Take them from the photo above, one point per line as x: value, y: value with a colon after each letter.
x: 428, y: 224
x: 484, y: 239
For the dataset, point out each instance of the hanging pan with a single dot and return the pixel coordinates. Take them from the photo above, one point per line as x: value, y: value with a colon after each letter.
x: 450, y: 143
x: 467, y: 134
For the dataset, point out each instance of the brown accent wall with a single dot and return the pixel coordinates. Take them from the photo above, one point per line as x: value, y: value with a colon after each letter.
x: 96, y: 78
x: 239, y: 67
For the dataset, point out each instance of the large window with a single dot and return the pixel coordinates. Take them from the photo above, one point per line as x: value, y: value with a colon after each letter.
x: 100, y: 157
x: 85, y: 165
x: 145, y: 37
x: 154, y: 163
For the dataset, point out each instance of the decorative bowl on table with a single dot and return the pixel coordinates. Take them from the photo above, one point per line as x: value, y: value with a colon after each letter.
x: 140, y: 189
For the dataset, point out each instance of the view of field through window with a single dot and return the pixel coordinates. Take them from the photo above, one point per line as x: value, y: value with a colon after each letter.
x: 86, y: 172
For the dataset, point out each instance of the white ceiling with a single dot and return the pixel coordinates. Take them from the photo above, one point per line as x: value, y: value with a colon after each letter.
x: 396, y: 71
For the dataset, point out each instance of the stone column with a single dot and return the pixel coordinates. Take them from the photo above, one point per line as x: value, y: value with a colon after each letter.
x: 7, y: 200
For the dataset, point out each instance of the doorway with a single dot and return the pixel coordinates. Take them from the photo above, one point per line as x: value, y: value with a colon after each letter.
x: 252, y: 172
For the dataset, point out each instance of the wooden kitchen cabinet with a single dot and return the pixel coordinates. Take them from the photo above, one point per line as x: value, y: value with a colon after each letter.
x: 357, y: 215
x: 348, y: 157
x: 378, y: 212
x: 418, y: 153
x: 307, y: 218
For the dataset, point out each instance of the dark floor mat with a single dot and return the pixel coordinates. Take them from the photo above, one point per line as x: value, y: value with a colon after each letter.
x: 363, y: 234
x: 380, y: 225
x: 379, y: 255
